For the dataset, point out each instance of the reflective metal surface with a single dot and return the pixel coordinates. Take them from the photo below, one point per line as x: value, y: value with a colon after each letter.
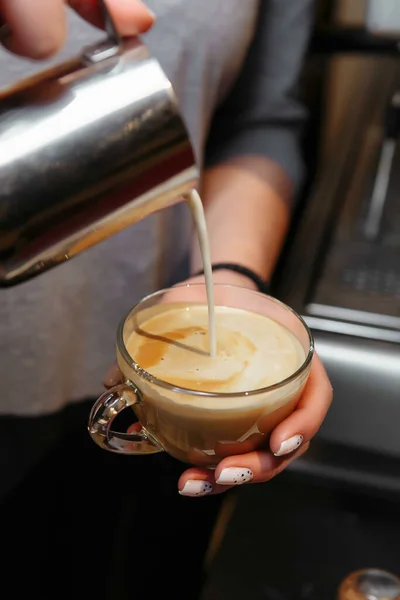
x: 370, y: 584
x: 365, y: 376
x: 359, y: 276
x: 379, y: 194
x: 347, y: 285
x: 86, y: 149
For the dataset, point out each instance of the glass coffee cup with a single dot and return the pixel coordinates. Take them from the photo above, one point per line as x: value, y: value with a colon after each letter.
x: 197, y: 426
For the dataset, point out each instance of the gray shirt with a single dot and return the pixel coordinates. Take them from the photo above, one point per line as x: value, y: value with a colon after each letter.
x: 57, y: 332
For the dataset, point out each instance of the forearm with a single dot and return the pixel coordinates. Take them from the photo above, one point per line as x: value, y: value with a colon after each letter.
x: 247, y: 212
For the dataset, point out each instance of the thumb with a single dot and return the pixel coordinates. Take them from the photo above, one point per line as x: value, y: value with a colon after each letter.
x: 35, y: 29
x: 38, y: 29
x: 131, y: 17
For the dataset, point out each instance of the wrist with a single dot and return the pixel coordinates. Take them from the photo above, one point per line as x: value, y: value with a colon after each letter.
x: 227, y: 277
x: 237, y: 274
x: 231, y: 278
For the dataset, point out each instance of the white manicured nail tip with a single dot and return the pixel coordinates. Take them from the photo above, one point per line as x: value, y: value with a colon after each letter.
x: 235, y: 476
x: 290, y: 445
x: 196, y: 487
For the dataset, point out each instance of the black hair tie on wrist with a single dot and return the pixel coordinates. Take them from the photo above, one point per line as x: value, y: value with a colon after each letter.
x: 261, y: 285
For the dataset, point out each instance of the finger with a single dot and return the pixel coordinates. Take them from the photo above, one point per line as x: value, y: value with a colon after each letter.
x: 134, y: 428
x: 131, y: 17
x: 113, y: 377
x: 197, y: 482
x: 34, y: 29
x: 256, y: 467
x: 304, y: 422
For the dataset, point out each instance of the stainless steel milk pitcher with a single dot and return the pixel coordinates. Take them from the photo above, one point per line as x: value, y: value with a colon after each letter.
x: 86, y: 149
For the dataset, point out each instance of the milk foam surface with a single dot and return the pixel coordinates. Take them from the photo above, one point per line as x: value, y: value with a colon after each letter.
x: 253, y: 351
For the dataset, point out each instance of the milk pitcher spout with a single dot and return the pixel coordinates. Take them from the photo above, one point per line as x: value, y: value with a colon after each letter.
x: 86, y: 149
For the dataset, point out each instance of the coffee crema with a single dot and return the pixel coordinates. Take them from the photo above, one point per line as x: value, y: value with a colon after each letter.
x: 253, y: 351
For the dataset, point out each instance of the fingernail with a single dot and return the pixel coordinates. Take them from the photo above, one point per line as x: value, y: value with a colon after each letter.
x: 112, y: 378
x: 110, y: 383
x: 289, y: 445
x: 196, y: 487
x: 234, y: 476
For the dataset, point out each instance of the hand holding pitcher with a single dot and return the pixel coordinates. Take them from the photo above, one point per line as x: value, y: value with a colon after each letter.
x: 38, y: 29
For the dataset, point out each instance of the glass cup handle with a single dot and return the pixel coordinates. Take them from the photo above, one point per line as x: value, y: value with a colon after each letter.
x: 102, y: 415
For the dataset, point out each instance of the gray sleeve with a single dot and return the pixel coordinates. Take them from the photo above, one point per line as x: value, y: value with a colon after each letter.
x: 263, y: 114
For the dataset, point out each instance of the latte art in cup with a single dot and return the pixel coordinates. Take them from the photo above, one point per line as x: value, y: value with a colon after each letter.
x: 253, y: 351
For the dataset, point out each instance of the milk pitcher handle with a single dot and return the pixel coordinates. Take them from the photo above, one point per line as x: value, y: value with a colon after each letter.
x: 105, y: 410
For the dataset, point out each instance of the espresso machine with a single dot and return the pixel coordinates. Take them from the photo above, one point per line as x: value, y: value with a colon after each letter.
x: 342, y: 268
